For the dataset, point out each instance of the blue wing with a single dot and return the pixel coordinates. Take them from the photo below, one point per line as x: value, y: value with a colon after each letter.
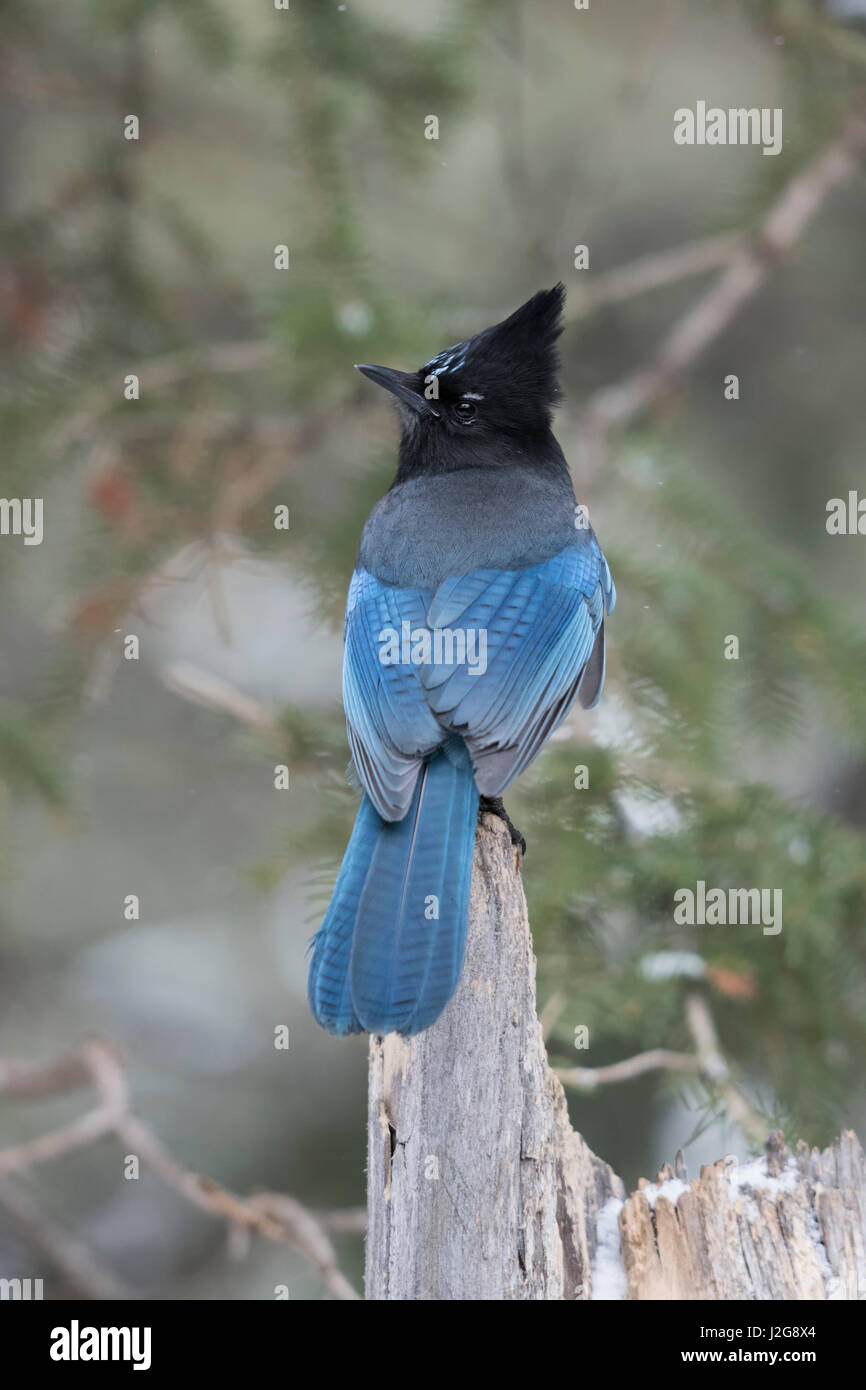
x: 391, y: 729
x: 540, y: 632
x: 544, y: 629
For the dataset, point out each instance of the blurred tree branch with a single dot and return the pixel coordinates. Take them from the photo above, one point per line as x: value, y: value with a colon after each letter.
x: 707, y: 1060
x: 655, y: 270
x: 656, y: 1059
x: 97, y: 1063
x: 69, y: 1256
x: 617, y: 406
x: 162, y: 372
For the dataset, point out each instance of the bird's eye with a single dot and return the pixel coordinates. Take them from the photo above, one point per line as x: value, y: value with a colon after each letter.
x: 465, y: 412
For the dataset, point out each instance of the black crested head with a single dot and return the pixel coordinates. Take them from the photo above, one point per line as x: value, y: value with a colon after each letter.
x: 485, y: 402
x: 512, y: 365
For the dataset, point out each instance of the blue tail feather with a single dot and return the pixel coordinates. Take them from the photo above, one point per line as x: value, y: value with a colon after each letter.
x: 328, y: 983
x: 389, y: 952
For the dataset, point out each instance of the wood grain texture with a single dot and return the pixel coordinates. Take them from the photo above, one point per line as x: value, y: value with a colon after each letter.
x: 785, y: 1227
x: 478, y: 1187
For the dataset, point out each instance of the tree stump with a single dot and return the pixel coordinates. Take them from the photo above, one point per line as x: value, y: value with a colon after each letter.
x: 479, y: 1188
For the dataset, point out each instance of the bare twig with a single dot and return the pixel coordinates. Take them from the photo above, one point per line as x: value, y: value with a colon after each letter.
x: 706, y: 1060
x: 307, y: 1233
x: 102, y: 1068
x: 68, y: 1255
x: 715, y: 1068
x: 657, y: 1059
x: 551, y: 1013
x: 653, y: 271
x: 272, y: 1215
x: 352, y: 1221
x: 31, y: 1081
x: 204, y: 688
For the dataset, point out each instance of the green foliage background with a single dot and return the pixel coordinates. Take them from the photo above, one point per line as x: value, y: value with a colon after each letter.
x: 306, y: 127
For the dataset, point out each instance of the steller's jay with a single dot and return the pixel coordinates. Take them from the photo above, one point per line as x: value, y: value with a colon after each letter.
x: 475, y: 616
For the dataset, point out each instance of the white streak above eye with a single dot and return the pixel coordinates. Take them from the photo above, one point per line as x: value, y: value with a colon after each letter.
x: 471, y: 396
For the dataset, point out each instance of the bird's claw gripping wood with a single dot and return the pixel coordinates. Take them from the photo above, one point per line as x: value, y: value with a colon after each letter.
x: 495, y: 806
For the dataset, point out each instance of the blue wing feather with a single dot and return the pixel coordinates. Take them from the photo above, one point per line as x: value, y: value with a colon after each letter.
x: 391, y: 728
x: 543, y: 628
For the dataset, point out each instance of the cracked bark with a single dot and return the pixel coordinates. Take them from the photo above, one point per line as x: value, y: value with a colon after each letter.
x: 479, y: 1188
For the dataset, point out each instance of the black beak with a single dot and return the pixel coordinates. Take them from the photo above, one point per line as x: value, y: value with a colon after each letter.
x: 400, y: 384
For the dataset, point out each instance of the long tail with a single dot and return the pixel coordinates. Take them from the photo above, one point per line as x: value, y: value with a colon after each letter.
x: 388, y: 955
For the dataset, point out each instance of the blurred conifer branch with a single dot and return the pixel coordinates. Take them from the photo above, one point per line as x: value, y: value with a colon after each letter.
x: 159, y: 373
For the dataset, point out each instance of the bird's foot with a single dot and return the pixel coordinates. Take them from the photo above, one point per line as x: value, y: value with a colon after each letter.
x: 496, y: 807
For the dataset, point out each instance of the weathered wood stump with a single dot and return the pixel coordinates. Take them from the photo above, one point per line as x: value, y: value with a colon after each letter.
x: 478, y: 1187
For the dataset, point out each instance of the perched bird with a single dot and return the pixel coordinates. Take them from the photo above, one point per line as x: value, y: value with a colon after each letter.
x: 478, y: 547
